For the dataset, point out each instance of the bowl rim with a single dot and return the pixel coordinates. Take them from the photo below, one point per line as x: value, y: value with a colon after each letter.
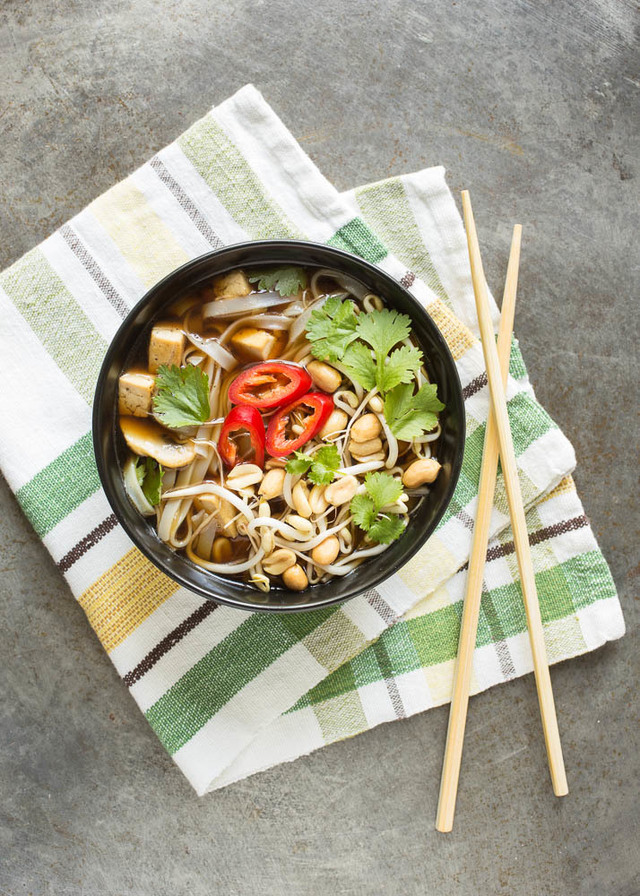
x: 114, y: 499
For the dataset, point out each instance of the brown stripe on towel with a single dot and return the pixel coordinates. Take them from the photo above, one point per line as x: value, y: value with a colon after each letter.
x: 474, y: 386
x: 95, y: 272
x: 503, y: 550
x: 186, y: 202
x: 169, y: 641
x: 87, y: 542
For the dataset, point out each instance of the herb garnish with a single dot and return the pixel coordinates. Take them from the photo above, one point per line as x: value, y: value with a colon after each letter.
x: 182, y: 396
x: 322, y: 465
x: 331, y: 328
x: 409, y: 415
x: 149, y: 474
x: 381, y: 489
x: 364, y: 345
x: 287, y: 281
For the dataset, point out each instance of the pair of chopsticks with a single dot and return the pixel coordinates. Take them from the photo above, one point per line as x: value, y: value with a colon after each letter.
x: 498, y: 439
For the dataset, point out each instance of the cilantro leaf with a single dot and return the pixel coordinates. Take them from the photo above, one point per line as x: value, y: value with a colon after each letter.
x: 386, y: 529
x: 299, y: 463
x: 398, y: 367
x: 363, y: 511
x: 331, y: 328
x: 322, y: 465
x: 325, y: 462
x: 150, y: 474
x: 409, y: 415
x: 287, y: 281
x: 182, y: 396
x: 359, y: 364
x: 382, y: 488
x: 383, y: 329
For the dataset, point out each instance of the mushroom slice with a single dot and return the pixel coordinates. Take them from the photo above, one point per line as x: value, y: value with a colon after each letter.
x: 148, y: 438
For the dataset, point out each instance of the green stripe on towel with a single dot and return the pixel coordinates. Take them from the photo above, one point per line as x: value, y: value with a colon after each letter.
x: 61, y: 487
x: 57, y: 320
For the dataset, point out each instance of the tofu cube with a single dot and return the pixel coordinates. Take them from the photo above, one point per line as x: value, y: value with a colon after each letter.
x: 231, y: 285
x: 135, y: 393
x: 255, y: 345
x: 208, y: 503
x: 166, y: 346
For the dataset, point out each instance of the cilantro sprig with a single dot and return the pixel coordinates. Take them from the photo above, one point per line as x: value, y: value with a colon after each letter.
x: 367, y: 346
x: 410, y: 415
x: 182, y: 396
x: 332, y: 328
x: 381, y: 489
x: 321, y: 465
x: 149, y: 474
x: 287, y: 280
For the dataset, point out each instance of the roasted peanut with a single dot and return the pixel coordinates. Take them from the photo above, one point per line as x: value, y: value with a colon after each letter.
x: 264, y: 509
x: 365, y: 428
x: 300, y: 495
x: 421, y: 471
x: 324, y: 376
x: 327, y: 551
x: 276, y: 563
x: 271, y: 485
x: 243, y: 475
x: 364, y: 449
x: 268, y: 542
x: 303, y: 526
x: 295, y: 578
x: 379, y: 455
x: 275, y: 463
x: 317, y: 500
x: 336, y: 422
x: 222, y: 550
x: 342, y: 490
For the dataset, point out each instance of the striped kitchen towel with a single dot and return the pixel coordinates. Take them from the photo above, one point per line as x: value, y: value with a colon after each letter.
x: 229, y: 693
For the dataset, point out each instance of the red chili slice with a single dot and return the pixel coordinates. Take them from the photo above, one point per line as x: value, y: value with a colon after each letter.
x: 320, y: 405
x: 270, y: 384
x: 242, y: 422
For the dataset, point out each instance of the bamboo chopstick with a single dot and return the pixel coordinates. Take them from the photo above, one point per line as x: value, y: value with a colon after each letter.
x: 473, y: 594
x: 516, y: 510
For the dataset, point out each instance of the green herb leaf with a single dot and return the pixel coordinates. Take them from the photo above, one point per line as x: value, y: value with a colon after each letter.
x: 331, y: 328
x: 360, y: 365
x: 383, y: 329
x: 287, y: 281
x: 298, y: 464
x: 150, y: 474
x: 326, y: 461
x: 399, y: 367
x: 182, y: 396
x: 382, y: 488
x: 386, y: 529
x: 322, y: 465
x: 410, y: 416
x: 363, y: 511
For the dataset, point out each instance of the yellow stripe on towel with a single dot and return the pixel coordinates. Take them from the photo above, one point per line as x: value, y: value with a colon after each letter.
x: 140, y: 234
x: 459, y: 338
x: 124, y: 596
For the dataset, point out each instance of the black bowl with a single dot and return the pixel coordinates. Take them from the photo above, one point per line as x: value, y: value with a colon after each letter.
x: 109, y: 445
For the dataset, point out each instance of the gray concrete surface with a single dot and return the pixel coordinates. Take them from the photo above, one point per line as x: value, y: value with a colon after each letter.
x: 532, y: 106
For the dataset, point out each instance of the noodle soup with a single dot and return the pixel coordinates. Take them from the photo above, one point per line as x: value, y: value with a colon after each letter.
x: 280, y: 426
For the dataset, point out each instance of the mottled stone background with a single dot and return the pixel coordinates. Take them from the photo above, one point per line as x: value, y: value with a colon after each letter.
x: 532, y: 106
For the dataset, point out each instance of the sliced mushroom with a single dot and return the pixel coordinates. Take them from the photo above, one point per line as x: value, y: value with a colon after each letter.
x: 148, y: 438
